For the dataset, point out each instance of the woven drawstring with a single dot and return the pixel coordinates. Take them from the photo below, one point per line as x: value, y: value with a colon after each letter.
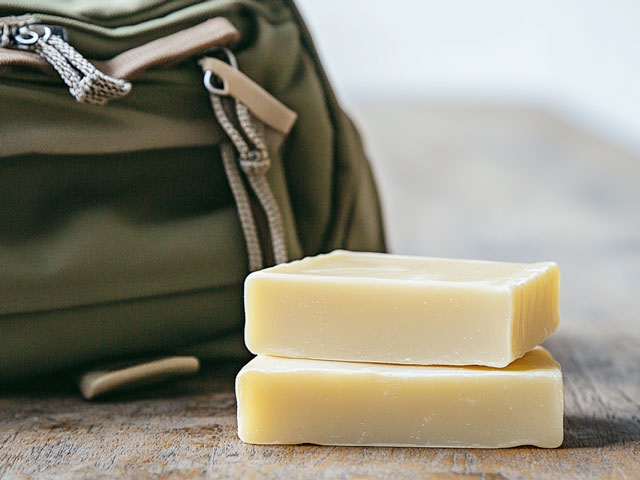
x: 256, y: 173
x: 242, y: 204
x: 254, y: 162
x: 86, y: 83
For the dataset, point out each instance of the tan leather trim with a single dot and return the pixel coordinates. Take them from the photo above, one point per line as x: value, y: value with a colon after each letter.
x: 164, y: 51
x: 171, y: 49
x: 261, y: 103
x: 97, y: 382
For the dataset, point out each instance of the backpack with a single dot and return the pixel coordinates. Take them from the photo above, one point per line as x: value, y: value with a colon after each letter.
x: 152, y: 155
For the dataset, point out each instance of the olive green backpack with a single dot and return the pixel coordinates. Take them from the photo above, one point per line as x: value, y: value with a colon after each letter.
x: 151, y: 155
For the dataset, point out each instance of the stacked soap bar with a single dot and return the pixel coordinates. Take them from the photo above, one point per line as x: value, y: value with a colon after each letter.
x: 414, y: 344
x: 373, y: 307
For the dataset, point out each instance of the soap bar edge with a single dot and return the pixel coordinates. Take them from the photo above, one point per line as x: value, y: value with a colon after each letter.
x: 554, y: 375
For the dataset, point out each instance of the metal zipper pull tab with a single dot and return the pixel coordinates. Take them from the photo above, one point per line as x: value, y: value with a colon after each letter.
x: 86, y: 83
x: 28, y: 35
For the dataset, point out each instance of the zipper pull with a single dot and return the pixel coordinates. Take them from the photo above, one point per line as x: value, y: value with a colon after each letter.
x: 244, y: 126
x: 29, y: 34
x: 223, y: 78
x: 86, y: 83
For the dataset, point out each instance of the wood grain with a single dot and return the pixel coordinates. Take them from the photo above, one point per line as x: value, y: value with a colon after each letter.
x: 188, y: 430
x: 574, y: 200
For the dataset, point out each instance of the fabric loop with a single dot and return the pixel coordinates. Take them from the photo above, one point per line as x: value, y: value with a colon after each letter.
x: 86, y: 83
x: 98, y: 88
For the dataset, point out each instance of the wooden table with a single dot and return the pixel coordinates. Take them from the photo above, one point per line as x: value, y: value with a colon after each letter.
x: 480, y: 182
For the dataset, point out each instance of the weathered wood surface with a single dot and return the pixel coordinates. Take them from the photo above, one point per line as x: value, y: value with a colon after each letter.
x: 467, y: 182
x: 188, y: 430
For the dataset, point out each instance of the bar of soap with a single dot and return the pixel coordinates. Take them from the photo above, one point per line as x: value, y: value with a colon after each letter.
x: 374, y: 307
x: 291, y: 401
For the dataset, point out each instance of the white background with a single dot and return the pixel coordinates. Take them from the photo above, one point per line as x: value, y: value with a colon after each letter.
x: 579, y: 59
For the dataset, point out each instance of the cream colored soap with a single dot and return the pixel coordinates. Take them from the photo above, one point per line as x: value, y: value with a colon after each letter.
x: 289, y: 401
x: 374, y: 307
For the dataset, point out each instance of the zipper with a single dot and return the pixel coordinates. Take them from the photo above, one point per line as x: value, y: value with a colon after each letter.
x: 86, y: 83
x: 29, y: 34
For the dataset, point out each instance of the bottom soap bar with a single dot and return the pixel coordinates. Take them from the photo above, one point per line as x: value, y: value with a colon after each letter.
x: 289, y: 401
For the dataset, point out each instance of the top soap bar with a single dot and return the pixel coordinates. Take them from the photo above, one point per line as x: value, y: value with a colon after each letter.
x: 374, y: 307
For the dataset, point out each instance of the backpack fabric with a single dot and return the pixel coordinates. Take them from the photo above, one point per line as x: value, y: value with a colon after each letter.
x: 120, y: 232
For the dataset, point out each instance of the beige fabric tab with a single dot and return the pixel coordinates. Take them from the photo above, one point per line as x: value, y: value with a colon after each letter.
x: 131, y: 375
x: 261, y: 103
x: 164, y: 51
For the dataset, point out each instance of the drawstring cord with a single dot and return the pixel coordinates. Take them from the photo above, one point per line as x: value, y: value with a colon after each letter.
x: 254, y: 162
x: 248, y: 224
x: 86, y: 83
